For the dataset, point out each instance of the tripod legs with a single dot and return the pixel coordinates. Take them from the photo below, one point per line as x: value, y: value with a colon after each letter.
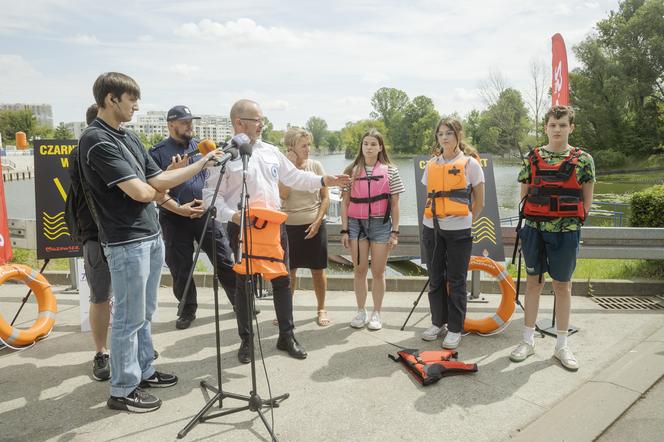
x: 254, y: 403
x: 415, y: 304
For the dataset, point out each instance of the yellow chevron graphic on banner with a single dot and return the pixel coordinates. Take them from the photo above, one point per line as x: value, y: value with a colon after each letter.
x: 61, y: 189
x: 484, y: 229
x: 46, y: 216
x: 480, y: 238
x: 483, y: 221
x: 54, y: 225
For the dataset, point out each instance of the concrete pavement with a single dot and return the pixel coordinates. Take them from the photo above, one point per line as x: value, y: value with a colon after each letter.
x: 347, y: 389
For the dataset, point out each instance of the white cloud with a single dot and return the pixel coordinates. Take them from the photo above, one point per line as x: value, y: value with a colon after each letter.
x: 276, y: 105
x: 375, y: 77
x: 145, y: 38
x: 242, y: 32
x: 85, y: 39
x: 184, y: 70
x: 466, y: 94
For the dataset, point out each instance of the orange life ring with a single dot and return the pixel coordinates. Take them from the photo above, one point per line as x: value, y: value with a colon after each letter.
x: 45, y: 302
x: 507, y: 302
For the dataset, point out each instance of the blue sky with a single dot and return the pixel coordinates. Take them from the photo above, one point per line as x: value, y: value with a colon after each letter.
x: 296, y: 58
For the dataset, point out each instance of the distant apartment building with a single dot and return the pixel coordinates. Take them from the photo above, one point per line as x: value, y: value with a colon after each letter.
x: 214, y: 127
x: 76, y: 127
x: 42, y: 112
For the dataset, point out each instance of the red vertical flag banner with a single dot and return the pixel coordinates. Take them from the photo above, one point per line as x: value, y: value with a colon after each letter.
x: 559, y: 80
x: 5, y: 242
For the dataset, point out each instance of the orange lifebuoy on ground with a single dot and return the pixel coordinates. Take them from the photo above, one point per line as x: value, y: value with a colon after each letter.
x: 507, y: 302
x: 45, y: 301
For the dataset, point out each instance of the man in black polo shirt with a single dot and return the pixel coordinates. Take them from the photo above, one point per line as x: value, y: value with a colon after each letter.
x: 124, y: 181
x: 179, y: 232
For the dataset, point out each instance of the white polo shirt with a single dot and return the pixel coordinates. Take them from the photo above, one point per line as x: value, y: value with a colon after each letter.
x: 267, y: 166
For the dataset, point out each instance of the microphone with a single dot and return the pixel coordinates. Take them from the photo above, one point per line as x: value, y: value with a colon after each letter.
x: 240, y: 139
x: 204, y: 147
x: 230, y: 154
x: 245, y: 151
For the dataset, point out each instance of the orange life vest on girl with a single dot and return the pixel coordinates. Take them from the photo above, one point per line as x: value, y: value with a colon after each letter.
x: 448, y: 190
x: 370, y: 195
x: 553, y: 190
x: 266, y: 256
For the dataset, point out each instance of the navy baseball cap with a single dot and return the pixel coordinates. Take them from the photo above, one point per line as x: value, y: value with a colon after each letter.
x: 180, y: 113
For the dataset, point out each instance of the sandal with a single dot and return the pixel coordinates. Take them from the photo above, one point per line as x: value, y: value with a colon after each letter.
x: 322, y: 320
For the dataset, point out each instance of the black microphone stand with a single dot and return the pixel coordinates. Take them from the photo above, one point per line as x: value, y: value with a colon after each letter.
x: 254, y: 401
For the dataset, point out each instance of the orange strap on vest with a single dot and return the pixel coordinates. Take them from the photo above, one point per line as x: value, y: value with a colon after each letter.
x: 266, y: 256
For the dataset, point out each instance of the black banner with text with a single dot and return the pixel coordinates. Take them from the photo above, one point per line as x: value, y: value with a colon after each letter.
x: 51, y: 185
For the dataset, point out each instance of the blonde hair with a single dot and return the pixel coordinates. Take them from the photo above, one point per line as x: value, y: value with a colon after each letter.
x: 356, y: 167
x: 295, y: 134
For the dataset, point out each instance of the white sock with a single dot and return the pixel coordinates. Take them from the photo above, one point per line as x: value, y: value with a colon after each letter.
x: 561, y: 339
x: 529, y: 335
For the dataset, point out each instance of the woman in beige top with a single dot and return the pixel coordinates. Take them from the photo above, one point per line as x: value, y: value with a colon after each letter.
x: 307, y: 235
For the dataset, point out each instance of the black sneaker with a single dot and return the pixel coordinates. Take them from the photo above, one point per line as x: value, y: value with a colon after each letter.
x: 101, y: 369
x: 138, y: 401
x: 159, y: 380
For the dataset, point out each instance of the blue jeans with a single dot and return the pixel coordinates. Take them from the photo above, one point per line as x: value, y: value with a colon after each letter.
x: 135, y: 271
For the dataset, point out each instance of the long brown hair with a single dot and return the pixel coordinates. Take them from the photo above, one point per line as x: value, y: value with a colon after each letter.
x: 355, y: 168
x: 455, y: 126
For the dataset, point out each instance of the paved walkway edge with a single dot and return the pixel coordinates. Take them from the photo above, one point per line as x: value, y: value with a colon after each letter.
x: 337, y: 282
x: 585, y: 414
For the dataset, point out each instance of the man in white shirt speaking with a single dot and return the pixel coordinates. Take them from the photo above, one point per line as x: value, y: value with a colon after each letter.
x: 266, y: 167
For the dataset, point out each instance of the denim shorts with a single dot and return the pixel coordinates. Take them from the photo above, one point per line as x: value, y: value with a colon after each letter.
x: 550, y: 252
x: 372, y: 229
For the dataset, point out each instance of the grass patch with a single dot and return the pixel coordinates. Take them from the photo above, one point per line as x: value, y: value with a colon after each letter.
x: 611, y: 269
x: 29, y: 258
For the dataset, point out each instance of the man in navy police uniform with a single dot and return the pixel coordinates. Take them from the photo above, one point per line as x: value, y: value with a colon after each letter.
x: 178, y: 150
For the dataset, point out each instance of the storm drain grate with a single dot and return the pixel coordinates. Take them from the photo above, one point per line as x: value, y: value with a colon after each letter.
x: 629, y: 302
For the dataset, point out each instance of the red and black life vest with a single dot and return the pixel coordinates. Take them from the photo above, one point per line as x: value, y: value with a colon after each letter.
x: 428, y: 367
x: 553, y: 190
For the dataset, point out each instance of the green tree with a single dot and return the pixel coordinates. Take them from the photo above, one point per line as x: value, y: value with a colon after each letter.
x: 351, y: 135
x: 414, y: 130
x: 268, y: 127
x: 619, y: 88
x: 62, y: 133
x: 504, y: 125
x: 471, y: 125
x: 12, y: 121
x: 333, y: 141
x: 388, y: 105
x: 318, y: 128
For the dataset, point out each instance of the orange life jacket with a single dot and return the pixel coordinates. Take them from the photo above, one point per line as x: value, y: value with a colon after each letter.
x: 428, y: 367
x: 553, y: 190
x: 266, y: 256
x: 448, y: 190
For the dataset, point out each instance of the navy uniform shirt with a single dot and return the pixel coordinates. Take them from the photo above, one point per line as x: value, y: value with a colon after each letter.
x: 163, y: 152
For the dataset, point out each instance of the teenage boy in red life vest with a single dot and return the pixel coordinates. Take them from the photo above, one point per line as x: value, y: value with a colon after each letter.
x: 557, y: 185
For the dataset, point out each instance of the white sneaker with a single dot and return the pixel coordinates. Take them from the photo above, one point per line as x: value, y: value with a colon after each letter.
x: 360, y: 319
x: 375, y: 323
x: 451, y: 340
x: 434, y: 332
x: 522, y: 351
x: 566, y: 358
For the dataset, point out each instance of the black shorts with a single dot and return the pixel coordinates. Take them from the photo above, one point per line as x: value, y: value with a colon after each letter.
x: 307, y: 253
x: 96, y: 272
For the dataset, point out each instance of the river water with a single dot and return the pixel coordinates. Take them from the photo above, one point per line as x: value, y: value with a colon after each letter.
x: 20, y: 195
